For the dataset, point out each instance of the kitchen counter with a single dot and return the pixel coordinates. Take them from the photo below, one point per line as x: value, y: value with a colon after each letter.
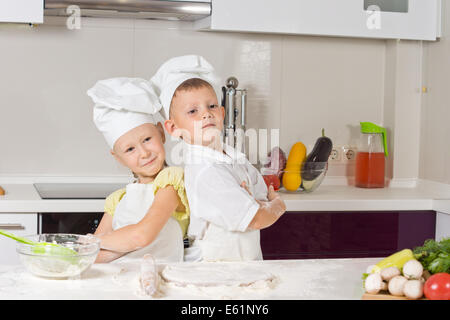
x: 325, y: 279
x: 423, y: 195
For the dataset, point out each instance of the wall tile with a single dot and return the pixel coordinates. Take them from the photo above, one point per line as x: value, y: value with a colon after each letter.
x: 330, y: 83
x: 46, y: 113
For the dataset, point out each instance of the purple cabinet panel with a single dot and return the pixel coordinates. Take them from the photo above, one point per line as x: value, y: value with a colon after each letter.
x: 311, y: 235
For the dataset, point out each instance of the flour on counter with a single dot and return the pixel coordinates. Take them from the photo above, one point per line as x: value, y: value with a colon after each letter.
x: 223, y: 280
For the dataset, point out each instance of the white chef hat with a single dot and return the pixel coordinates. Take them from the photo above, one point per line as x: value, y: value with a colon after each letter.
x: 122, y: 104
x: 179, y: 69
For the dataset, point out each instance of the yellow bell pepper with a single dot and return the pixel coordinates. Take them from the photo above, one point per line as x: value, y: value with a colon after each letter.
x: 397, y: 259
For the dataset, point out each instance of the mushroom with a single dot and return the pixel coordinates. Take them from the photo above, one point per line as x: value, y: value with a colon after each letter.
x: 388, y: 273
x: 396, y: 285
x: 369, y: 268
x: 412, y: 269
x: 373, y: 283
x: 413, y: 289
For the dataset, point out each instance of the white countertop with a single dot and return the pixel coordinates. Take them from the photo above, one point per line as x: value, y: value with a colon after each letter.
x: 324, y: 279
x: 423, y: 195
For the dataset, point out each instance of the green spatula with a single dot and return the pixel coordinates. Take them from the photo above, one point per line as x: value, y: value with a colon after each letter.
x: 45, y: 248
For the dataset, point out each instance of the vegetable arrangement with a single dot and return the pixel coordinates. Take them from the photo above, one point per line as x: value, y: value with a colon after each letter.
x: 299, y: 169
x: 423, y: 271
x: 434, y: 256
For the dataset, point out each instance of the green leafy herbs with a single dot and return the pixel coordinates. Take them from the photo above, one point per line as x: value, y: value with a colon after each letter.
x: 434, y: 256
x: 364, y: 277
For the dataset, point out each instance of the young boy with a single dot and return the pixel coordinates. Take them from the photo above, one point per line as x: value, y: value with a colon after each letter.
x: 228, y: 198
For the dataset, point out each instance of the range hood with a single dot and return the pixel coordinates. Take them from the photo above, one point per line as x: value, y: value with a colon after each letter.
x: 135, y: 9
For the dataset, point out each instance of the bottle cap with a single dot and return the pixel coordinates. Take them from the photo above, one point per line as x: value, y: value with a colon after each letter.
x: 369, y: 127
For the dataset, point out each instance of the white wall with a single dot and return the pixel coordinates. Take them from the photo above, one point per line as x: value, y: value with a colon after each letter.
x: 402, y: 107
x: 435, y: 121
x: 299, y: 84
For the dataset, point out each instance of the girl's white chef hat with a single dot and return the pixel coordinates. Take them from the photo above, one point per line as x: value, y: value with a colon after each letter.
x: 122, y: 104
x: 179, y: 69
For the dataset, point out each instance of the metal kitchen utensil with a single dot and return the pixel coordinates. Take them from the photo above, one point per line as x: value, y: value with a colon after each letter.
x: 234, y: 127
x: 41, y: 247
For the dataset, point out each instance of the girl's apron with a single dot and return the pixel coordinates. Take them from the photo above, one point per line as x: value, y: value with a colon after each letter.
x: 168, y: 245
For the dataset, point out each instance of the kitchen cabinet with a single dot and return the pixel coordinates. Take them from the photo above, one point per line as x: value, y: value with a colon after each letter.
x: 442, y: 225
x: 314, y: 235
x: 395, y: 19
x: 22, y: 11
x: 21, y: 224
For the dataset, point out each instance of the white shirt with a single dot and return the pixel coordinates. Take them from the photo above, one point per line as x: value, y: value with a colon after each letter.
x: 217, y: 201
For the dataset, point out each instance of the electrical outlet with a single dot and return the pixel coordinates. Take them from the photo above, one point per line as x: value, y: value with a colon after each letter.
x: 348, y: 153
x: 335, y: 155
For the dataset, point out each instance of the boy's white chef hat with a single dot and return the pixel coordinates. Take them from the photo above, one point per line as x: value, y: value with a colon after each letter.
x: 122, y: 104
x: 179, y: 69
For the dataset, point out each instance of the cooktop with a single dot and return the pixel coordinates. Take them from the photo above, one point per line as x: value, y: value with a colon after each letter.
x: 76, y: 190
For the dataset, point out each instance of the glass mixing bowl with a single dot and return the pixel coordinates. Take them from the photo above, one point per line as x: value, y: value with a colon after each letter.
x: 50, y: 264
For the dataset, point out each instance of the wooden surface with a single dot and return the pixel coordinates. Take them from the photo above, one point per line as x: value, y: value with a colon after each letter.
x: 385, y: 296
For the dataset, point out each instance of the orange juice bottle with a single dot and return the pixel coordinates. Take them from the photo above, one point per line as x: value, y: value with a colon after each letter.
x: 370, y: 158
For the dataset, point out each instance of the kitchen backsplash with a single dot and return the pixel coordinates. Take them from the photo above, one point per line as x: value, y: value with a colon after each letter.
x: 296, y: 84
x: 434, y: 126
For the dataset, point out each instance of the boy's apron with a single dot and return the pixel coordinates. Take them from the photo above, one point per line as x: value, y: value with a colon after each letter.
x: 168, y: 245
x: 219, y: 244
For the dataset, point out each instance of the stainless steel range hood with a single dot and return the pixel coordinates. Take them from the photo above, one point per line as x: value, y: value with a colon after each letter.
x: 135, y: 9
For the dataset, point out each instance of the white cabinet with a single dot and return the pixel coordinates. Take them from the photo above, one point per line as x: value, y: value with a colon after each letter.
x: 21, y: 224
x: 396, y: 19
x: 22, y: 11
x: 442, y: 225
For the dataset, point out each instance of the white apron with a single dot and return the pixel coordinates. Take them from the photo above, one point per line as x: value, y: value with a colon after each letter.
x: 219, y: 244
x: 168, y: 245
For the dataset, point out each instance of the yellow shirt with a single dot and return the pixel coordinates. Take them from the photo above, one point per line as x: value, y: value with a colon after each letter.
x: 173, y: 176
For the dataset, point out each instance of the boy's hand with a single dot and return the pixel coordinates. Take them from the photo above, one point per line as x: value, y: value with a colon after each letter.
x: 278, y: 205
x: 272, y: 194
x: 244, y: 185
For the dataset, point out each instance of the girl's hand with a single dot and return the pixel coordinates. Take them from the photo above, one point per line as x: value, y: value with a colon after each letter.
x: 89, y: 238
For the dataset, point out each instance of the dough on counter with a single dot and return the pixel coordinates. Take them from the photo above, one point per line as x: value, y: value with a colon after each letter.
x: 209, y: 274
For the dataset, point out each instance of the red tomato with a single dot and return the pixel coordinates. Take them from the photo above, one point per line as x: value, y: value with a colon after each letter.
x: 273, y: 180
x: 437, y: 287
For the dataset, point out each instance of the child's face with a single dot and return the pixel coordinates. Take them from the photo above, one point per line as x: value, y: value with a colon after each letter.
x: 142, y: 150
x: 196, y: 116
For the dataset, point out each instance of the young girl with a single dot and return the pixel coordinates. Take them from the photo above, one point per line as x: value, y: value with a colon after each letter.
x: 152, y: 214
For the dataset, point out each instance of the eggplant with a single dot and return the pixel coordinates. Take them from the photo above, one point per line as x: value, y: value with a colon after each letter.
x: 317, y: 160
